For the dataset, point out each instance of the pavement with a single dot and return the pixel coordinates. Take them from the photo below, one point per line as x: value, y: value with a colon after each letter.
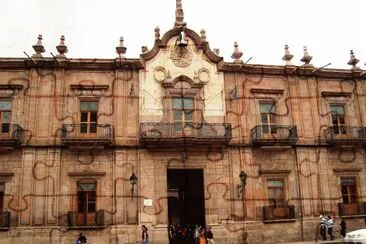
x: 337, y: 241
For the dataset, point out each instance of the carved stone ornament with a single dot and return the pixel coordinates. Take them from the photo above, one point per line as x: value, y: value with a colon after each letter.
x: 204, y: 75
x: 159, y: 74
x: 181, y: 56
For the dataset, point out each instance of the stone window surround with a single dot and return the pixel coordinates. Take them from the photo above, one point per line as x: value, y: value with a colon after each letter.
x: 351, y: 173
x: 273, y: 175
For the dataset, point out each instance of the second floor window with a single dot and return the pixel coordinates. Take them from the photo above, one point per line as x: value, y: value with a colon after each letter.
x: 88, y: 117
x: 348, y: 185
x: 182, y: 110
x: 276, y: 192
x: 338, y: 121
x: 268, y: 113
x: 5, y: 115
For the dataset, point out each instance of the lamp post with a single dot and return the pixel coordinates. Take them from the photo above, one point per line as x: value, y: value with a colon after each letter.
x: 243, y: 181
x: 133, y: 181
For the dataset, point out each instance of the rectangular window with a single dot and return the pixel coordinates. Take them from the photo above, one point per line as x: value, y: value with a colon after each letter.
x: 5, y: 115
x: 348, y: 190
x: 2, y: 190
x: 268, y: 113
x: 338, y: 119
x: 276, y: 192
x: 88, y: 117
x: 86, y: 197
x: 182, y: 111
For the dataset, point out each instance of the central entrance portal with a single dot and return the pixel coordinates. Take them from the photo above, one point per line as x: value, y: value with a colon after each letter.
x: 186, y: 205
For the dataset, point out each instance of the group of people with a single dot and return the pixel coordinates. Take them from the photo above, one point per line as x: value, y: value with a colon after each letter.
x: 188, y: 234
x: 326, y: 225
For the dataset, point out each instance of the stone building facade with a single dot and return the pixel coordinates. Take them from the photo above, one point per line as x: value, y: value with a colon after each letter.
x: 258, y: 152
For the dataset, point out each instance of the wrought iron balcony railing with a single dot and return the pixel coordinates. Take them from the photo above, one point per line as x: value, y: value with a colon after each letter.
x: 274, y: 134
x: 4, y: 219
x: 100, y: 134
x: 345, y: 135
x: 11, y: 134
x: 278, y: 212
x: 80, y: 219
x: 185, y: 132
x: 352, y: 209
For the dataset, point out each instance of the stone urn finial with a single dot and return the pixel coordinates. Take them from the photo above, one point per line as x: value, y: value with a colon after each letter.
x: 237, y: 54
x: 288, y: 56
x: 61, y: 48
x: 157, y: 33
x: 121, y: 50
x: 353, y: 60
x: 38, y: 48
x: 216, y: 51
x: 203, y: 35
x: 179, y: 14
x: 306, y: 58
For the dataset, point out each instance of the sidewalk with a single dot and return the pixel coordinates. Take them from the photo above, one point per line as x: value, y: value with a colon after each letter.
x: 313, y: 242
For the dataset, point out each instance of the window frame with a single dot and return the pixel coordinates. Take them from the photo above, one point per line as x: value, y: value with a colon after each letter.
x: 270, y: 125
x: 2, y: 196
x: 339, y: 129
x: 88, y: 127
x: 268, y: 188
x: 2, y: 111
x: 348, y: 195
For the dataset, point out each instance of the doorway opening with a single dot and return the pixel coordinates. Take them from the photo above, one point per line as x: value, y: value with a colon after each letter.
x: 186, y: 203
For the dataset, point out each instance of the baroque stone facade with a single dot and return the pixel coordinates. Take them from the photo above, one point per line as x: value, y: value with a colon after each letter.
x: 73, y: 131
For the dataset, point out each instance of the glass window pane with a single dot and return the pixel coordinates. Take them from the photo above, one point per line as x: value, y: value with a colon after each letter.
x: 347, y: 181
x: 188, y: 103
x: 264, y: 118
x: 93, y: 128
x: 5, y: 105
x: 2, y: 187
x: 267, y: 108
x: 86, y: 186
x: 272, y: 118
x: 177, y: 115
x: 88, y: 106
x: 6, y: 117
x: 341, y: 119
x: 91, y: 207
x: 5, y: 128
x: 177, y: 103
x: 84, y: 117
x: 188, y: 116
x: 93, y: 117
x: 265, y: 129
x: 84, y: 128
x: 337, y: 109
x: 275, y: 183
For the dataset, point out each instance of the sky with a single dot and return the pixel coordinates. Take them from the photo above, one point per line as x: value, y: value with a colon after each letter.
x: 92, y: 28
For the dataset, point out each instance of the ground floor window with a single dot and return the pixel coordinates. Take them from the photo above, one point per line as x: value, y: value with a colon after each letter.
x: 2, y: 189
x: 276, y: 192
x: 86, y: 202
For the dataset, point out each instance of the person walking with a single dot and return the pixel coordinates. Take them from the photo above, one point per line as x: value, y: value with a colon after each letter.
x: 203, y: 236
x: 197, y: 234
x: 81, y: 239
x: 343, y: 228
x: 144, y: 235
x: 330, y: 224
x: 322, y: 228
x: 209, y: 236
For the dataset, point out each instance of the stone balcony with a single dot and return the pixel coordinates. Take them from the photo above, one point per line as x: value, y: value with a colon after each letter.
x: 352, y: 209
x: 274, y: 135
x: 345, y: 135
x: 165, y: 134
x: 11, y: 135
x: 87, y: 135
x: 278, y: 213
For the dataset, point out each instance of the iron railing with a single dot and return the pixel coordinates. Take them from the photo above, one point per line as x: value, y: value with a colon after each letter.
x: 87, y: 134
x: 345, y: 134
x: 4, y: 219
x: 11, y: 134
x: 278, y: 212
x: 280, y: 134
x: 352, y: 209
x: 211, y: 132
x: 79, y: 219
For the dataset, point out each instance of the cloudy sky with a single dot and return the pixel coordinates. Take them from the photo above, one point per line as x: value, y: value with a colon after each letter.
x: 330, y: 28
